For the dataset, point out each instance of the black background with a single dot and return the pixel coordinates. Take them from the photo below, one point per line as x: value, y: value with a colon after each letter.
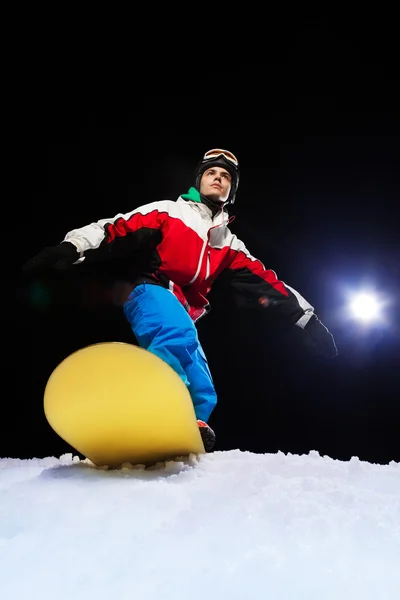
x: 316, y: 130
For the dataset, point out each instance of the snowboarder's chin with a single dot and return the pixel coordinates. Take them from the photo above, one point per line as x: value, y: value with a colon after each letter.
x: 215, y: 197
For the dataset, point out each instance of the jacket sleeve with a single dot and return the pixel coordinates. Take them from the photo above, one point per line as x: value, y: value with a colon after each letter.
x: 251, y: 279
x: 121, y: 235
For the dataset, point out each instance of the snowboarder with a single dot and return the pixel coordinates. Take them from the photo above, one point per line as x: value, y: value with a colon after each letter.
x: 189, y: 244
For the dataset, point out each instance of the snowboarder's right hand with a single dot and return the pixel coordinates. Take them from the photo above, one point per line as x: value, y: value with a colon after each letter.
x: 58, y: 258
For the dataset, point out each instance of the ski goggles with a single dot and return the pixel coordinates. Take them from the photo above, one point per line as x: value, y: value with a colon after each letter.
x: 216, y: 152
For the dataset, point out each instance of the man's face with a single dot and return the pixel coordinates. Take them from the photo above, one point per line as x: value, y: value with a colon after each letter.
x: 215, y: 184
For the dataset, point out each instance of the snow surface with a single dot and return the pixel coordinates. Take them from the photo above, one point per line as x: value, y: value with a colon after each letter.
x: 230, y: 525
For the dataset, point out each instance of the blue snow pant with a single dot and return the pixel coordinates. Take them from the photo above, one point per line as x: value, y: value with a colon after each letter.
x: 161, y: 325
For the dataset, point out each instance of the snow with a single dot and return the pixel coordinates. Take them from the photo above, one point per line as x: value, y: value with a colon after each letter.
x: 230, y: 525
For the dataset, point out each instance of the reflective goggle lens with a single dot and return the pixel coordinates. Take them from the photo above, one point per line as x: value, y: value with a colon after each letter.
x: 215, y: 152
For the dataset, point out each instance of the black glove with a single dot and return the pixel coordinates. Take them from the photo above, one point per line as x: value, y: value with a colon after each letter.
x: 320, y: 339
x: 58, y: 258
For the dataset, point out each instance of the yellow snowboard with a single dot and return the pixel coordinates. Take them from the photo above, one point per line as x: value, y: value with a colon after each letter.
x: 115, y: 403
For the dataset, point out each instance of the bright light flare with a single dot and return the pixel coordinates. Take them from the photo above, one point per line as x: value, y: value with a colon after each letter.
x: 366, y: 307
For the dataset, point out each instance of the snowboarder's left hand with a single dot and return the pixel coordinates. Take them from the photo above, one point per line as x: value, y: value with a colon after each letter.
x: 320, y: 338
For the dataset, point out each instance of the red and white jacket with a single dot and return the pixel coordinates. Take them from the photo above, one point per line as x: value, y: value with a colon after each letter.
x: 189, y: 249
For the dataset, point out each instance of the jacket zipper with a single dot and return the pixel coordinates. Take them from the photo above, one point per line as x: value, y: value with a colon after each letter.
x: 202, y: 256
x: 200, y: 262
x: 208, y: 266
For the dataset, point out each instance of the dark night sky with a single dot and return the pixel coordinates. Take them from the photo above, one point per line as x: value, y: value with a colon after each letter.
x: 317, y: 202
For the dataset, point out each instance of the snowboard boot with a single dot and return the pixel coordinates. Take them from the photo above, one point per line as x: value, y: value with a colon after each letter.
x: 207, y: 435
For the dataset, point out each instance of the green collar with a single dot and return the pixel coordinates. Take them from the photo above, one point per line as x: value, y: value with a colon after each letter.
x: 192, y: 195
